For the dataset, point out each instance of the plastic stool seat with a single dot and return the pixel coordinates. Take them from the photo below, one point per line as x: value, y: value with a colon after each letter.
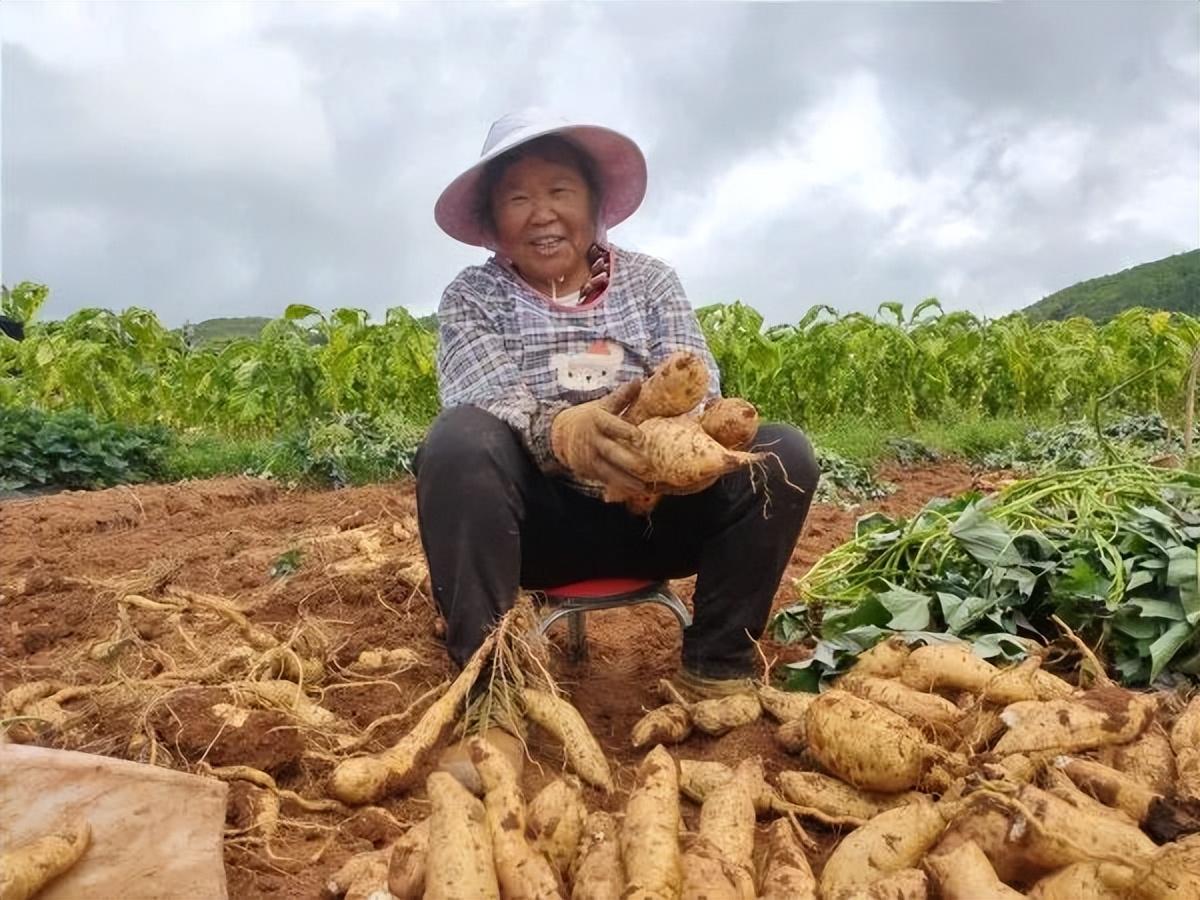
x: 573, y: 600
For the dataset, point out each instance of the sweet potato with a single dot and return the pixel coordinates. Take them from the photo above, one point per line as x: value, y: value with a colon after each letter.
x: 727, y: 819
x: 28, y: 867
x: 787, y: 874
x: 784, y: 706
x: 1055, y: 833
x: 978, y: 729
x: 721, y: 715
x: 520, y: 869
x: 817, y: 791
x: 596, y: 870
x: 919, y: 707
x: 988, y: 822
x: 792, y: 735
x: 556, y: 817
x: 730, y: 421
x: 364, y: 779
x: 1149, y: 760
x: 1108, y: 715
x: 699, y: 778
x: 864, y: 744
x: 707, y: 874
x: 406, y: 868
x: 1185, y: 741
x: 1091, y: 880
x: 1110, y: 787
x: 893, y: 840
x: 955, y: 667
x: 667, y: 724
x: 1055, y: 782
x: 649, y: 835
x: 676, y: 387
x: 907, y: 884
x: 564, y: 722
x: 361, y: 876
x: 459, y: 860
x: 964, y: 873
x: 884, y: 660
x: 1171, y: 873
x: 682, y: 456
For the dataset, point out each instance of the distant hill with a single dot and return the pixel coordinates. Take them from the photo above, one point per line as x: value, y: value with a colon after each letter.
x: 215, y: 330
x: 1172, y: 283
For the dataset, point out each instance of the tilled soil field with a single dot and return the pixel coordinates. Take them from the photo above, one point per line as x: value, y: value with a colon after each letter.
x: 155, y: 615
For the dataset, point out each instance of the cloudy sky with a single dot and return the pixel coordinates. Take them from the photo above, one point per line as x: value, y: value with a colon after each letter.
x: 204, y: 159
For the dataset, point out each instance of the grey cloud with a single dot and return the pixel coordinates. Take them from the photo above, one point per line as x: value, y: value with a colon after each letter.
x: 395, y: 107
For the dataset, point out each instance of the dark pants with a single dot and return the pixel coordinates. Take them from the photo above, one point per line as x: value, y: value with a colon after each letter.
x: 492, y: 523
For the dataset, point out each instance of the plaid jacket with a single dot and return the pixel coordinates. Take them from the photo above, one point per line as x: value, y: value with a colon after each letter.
x: 512, y: 352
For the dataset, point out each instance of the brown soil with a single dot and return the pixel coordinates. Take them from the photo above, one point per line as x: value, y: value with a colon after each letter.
x: 68, y: 559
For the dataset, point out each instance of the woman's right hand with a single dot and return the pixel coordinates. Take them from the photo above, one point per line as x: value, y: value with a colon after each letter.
x: 596, y: 444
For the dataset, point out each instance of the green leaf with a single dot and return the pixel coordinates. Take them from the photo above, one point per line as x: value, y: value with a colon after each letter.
x: 909, y: 610
x: 985, y: 540
x: 962, y: 612
x: 1167, y: 646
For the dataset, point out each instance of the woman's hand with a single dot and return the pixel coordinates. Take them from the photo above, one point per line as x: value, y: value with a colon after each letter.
x: 595, y: 444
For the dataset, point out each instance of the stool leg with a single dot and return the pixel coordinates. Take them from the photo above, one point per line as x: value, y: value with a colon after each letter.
x: 576, y: 637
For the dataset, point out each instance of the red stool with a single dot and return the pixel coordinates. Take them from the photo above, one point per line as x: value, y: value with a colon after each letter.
x: 579, y: 597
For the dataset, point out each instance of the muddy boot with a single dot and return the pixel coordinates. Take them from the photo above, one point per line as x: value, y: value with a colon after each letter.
x: 456, y: 759
x: 692, y: 688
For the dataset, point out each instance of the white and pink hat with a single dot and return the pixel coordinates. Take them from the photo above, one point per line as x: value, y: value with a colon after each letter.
x: 619, y: 162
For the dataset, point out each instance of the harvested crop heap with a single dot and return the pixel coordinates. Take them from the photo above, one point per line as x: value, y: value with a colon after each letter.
x: 940, y: 775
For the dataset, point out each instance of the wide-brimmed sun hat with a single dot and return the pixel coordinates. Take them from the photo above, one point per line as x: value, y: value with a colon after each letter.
x: 619, y: 163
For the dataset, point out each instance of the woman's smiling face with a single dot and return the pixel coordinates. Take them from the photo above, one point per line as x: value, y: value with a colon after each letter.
x: 543, y: 216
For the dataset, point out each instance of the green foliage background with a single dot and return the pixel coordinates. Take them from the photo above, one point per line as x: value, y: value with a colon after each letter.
x: 893, y: 369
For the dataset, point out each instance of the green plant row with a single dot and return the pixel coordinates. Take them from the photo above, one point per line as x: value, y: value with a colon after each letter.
x: 890, y: 369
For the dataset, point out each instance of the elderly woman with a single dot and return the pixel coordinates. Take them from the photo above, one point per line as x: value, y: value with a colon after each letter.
x: 540, y: 346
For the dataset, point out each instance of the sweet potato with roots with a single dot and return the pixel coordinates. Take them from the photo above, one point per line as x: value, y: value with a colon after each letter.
x: 365, y: 779
x: 719, y: 715
x: 28, y: 867
x: 649, y: 835
x: 682, y: 455
x: 1095, y: 718
x: 459, y: 862
x: 964, y: 873
x: 675, y: 388
x: 1050, y: 832
x: 596, y: 872
x: 866, y: 745
x: 1171, y: 873
x: 787, y: 874
x: 894, y: 840
x: 563, y: 721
